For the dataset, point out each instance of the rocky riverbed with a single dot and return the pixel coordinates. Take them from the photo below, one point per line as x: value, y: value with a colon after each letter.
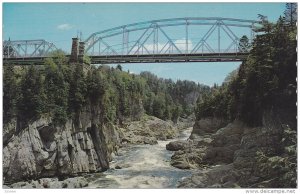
x: 141, y: 166
x: 138, y: 158
x: 235, y: 155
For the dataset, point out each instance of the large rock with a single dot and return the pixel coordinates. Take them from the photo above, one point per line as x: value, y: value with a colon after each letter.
x: 176, y: 145
x: 52, y: 183
x: 147, y: 131
x: 207, y: 126
x: 41, y: 149
x: 222, y: 176
x: 248, y: 157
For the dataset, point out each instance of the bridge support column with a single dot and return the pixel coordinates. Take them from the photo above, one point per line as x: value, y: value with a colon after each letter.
x: 81, y: 52
x: 74, y: 51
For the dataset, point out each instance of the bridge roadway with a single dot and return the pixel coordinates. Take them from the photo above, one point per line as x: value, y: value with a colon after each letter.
x: 155, y: 58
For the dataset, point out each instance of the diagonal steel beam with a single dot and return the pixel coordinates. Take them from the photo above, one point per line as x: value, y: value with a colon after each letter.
x: 163, y: 47
x: 36, y: 49
x: 204, y: 38
x: 142, y: 45
x: 139, y: 39
x: 170, y: 40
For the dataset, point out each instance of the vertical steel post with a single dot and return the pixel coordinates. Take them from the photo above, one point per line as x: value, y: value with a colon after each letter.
x: 219, y: 37
x: 127, y: 41
x: 186, y: 37
x: 25, y: 48
x: 154, y: 39
x: 123, y: 41
x: 99, y: 48
x: 93, y: 45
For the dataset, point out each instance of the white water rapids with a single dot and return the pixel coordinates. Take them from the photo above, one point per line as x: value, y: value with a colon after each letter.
x: 143, y: 166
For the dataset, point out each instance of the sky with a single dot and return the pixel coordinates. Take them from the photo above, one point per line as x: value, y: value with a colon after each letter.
x: 59, y: 22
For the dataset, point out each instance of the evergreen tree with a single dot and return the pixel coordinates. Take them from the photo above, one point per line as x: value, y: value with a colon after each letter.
x: 244, y: 45
x: 291, y: 13
x: 9, y: 93
x: 31, y: 101
x: 56, y: 90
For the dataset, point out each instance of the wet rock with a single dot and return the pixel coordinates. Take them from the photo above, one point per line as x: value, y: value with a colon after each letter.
x: 76, y: 182
x: 52, y: 183
x: 118, y: 167
x: 176, y: 145
x: 147, y: 131
x: 207, y: 126
x: 150, y: 140
x: 181, y: 164
x: 222, y: 176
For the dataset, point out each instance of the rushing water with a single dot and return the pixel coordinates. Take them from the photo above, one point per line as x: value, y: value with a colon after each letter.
x: 142, y: 166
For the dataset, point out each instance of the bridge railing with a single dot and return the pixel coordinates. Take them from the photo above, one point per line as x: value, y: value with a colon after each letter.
x: 27, y: 48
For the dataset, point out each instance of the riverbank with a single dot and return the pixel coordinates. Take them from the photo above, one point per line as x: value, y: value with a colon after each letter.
x: 142, y: 166
x: 137, y: 157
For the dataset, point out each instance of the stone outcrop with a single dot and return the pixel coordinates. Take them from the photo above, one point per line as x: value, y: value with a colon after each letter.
x: 239, y: 156
x: 176, y: 145
x: 207, y: 126
x: 52, y: 183
x: 82, y: 145
x: 147, y: 131
x: 44, y: 150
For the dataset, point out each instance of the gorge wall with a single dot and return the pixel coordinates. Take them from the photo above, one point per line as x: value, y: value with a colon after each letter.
x: 44, y: 150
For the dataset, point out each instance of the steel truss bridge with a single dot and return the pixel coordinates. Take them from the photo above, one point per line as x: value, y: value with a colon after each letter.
x: 196, y: 39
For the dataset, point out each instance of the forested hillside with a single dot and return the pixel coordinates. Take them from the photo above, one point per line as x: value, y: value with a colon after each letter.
x: 61, y: 90
x: 265, y: 81
x: 249, y: 123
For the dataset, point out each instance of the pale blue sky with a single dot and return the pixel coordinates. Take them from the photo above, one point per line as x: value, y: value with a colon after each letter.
x: 59, y: 22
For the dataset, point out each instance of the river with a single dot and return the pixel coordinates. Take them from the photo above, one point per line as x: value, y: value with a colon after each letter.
x: 142, y: 166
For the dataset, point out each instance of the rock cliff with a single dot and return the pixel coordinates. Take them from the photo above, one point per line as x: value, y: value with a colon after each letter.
x: 44, y: 150
x: 239, y: 156
x: 82, y: 145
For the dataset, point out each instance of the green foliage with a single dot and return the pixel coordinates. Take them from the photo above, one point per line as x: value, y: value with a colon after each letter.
x: 119, y: 67
x: 78, y: 89
x: 86, y: 59
x: 63, y: 91
x: 31, y: 101
x: 56, y: 90
x: 291, y: 13
x: 244, y: 45
x: 265, y: 81
x: 282, y: 167
x: 10, y: 93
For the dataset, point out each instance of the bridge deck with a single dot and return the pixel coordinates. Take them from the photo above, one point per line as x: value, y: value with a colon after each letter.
x: 155, y: 58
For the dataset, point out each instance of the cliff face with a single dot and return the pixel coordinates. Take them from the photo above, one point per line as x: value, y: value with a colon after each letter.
x: 41, y: 149
x: 263, y: 156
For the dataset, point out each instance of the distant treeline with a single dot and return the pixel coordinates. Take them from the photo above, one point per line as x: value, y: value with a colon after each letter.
x: 62, y: 90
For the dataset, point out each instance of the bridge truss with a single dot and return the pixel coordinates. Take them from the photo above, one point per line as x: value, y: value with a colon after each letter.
x: 27, y: 48
x: 203, y: 37
x: 192, y: 39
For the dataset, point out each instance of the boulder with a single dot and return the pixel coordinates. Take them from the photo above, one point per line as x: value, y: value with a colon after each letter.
x: 207, y: 126
x: 176, y: 145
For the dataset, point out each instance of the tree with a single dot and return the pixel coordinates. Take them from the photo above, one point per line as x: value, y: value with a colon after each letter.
x: 291, y: 14
x: 78, y: 89
x: 244, y: 45
x: 119, y: 67
x: 56, y: 90
x: 9, y: 93
x: 31, y: 102
x: 96, y: 86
